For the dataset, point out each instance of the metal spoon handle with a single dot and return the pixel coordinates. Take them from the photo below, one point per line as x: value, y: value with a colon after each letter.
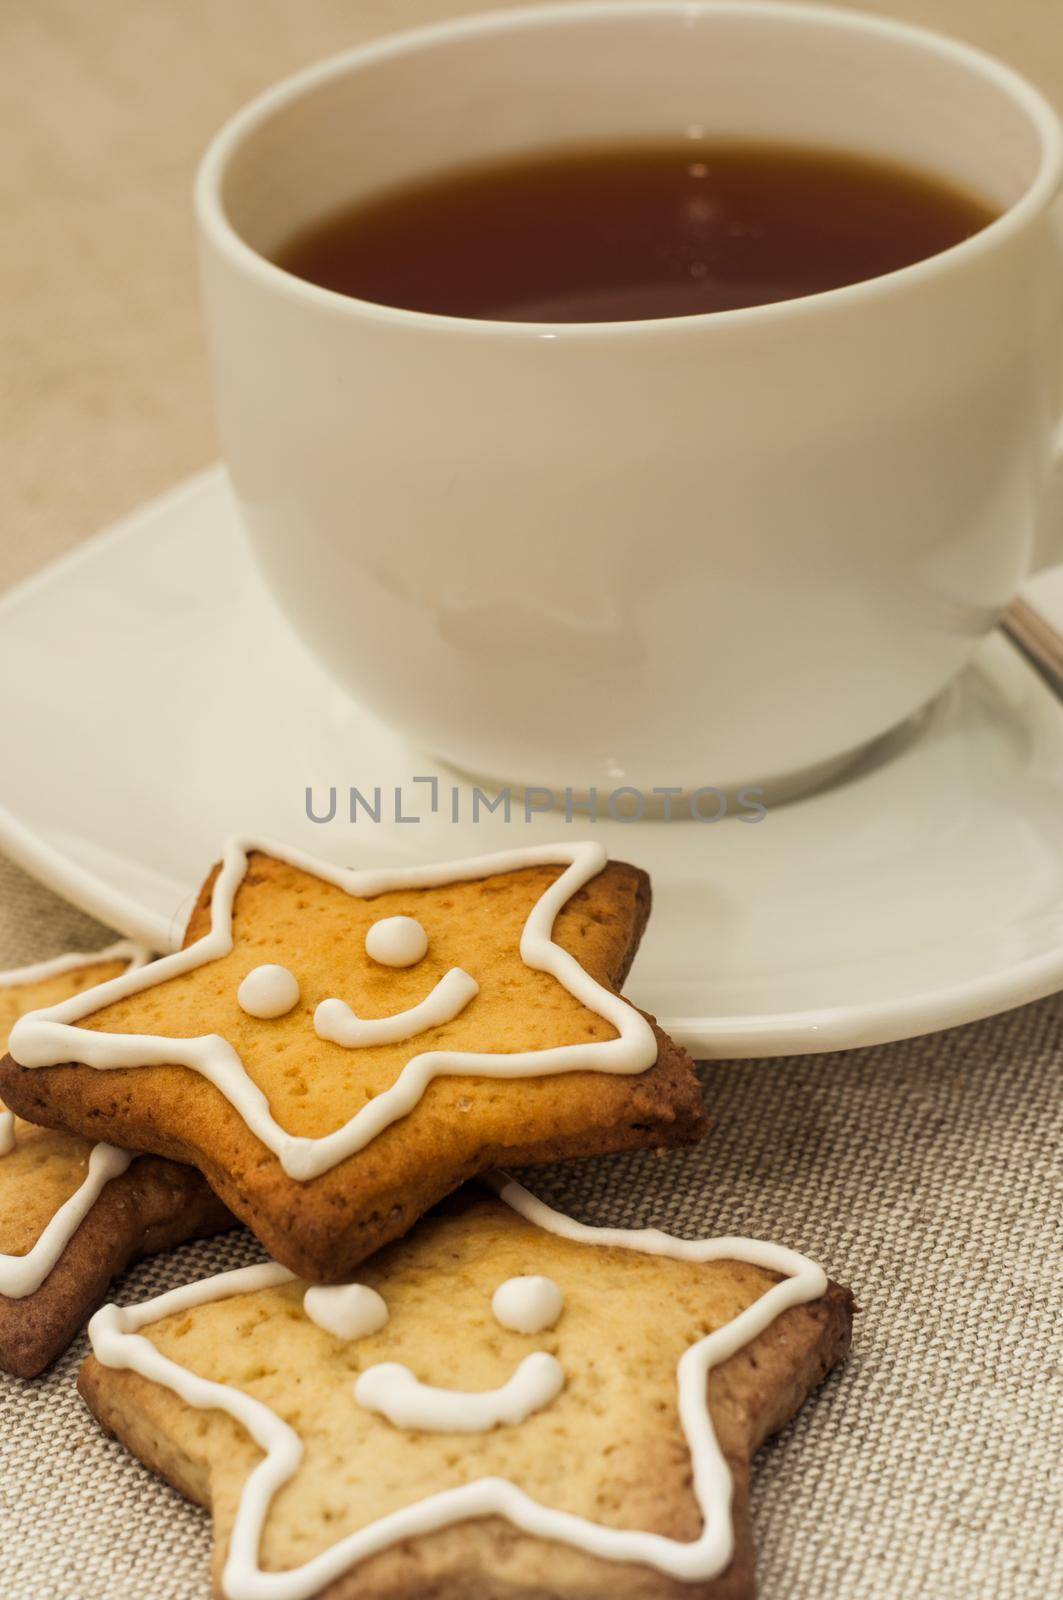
x: 1038, y: 641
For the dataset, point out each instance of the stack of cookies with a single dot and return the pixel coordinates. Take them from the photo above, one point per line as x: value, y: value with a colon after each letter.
x: 491, y: 1400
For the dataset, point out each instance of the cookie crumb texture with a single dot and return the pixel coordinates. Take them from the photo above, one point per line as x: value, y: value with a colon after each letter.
x: 463, y: 1125
x: 609, y: 1448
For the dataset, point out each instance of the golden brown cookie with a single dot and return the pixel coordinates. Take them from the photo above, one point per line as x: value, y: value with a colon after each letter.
x: 446, y: 1499
x: 331, y: 1137
x: 66, y: 1227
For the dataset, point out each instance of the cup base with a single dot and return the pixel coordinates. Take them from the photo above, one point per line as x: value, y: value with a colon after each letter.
x: 626, y: 802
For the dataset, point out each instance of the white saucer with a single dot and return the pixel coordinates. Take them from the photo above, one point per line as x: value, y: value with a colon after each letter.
x: 153, y: 702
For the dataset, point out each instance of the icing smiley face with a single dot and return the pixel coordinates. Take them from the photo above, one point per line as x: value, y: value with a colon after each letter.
x: 525, y: 1305
x: 271, y: 991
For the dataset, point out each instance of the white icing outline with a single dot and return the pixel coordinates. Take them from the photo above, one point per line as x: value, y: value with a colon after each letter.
x: 23, y: 1275
x: 118, y: 1342
x: 48, y: 1037
x: 54, y: 966
x: 393, y: 1391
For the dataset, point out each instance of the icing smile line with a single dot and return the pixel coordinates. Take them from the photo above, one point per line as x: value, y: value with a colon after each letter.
x: 393, y: 1391
x: 50, y: 1037
x: 334, y: 1020
x: 115, y: 1333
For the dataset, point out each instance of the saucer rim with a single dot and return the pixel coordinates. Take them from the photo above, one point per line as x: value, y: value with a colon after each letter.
x: 770, y: 1035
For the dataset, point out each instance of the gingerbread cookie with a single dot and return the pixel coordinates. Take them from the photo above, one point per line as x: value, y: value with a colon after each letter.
x: 73, y: 1214
x: 507, y: 1403
x: 337, y: 1050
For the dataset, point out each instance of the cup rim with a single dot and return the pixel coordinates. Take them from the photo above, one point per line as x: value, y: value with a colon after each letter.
x: 215, y: 226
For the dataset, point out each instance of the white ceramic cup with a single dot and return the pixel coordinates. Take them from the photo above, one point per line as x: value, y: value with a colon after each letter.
x: 705, y: 550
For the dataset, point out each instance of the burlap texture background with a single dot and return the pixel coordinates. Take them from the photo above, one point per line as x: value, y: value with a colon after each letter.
x: 925, y: 1174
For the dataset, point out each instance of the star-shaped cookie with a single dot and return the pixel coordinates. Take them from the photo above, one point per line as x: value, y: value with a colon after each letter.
x: 354, y: 1045
x: 74, y: 1214
x: 506, y: 1403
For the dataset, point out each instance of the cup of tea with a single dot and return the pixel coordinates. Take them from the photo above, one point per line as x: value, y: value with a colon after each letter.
x: 652, y: 393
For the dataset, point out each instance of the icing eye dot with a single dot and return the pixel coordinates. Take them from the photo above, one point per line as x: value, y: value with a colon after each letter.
x: 347, y: 1310
x: 396, y: 941
x: 268, y: 991
x: 527, y: 1305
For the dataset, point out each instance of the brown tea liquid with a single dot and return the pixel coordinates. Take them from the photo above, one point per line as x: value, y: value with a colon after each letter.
x: 633, y: 231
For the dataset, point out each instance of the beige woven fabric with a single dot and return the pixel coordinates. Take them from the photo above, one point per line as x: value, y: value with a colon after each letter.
x: 925, y: 1174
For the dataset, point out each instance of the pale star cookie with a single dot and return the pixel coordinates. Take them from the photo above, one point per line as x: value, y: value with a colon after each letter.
x: 483, y: 1480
